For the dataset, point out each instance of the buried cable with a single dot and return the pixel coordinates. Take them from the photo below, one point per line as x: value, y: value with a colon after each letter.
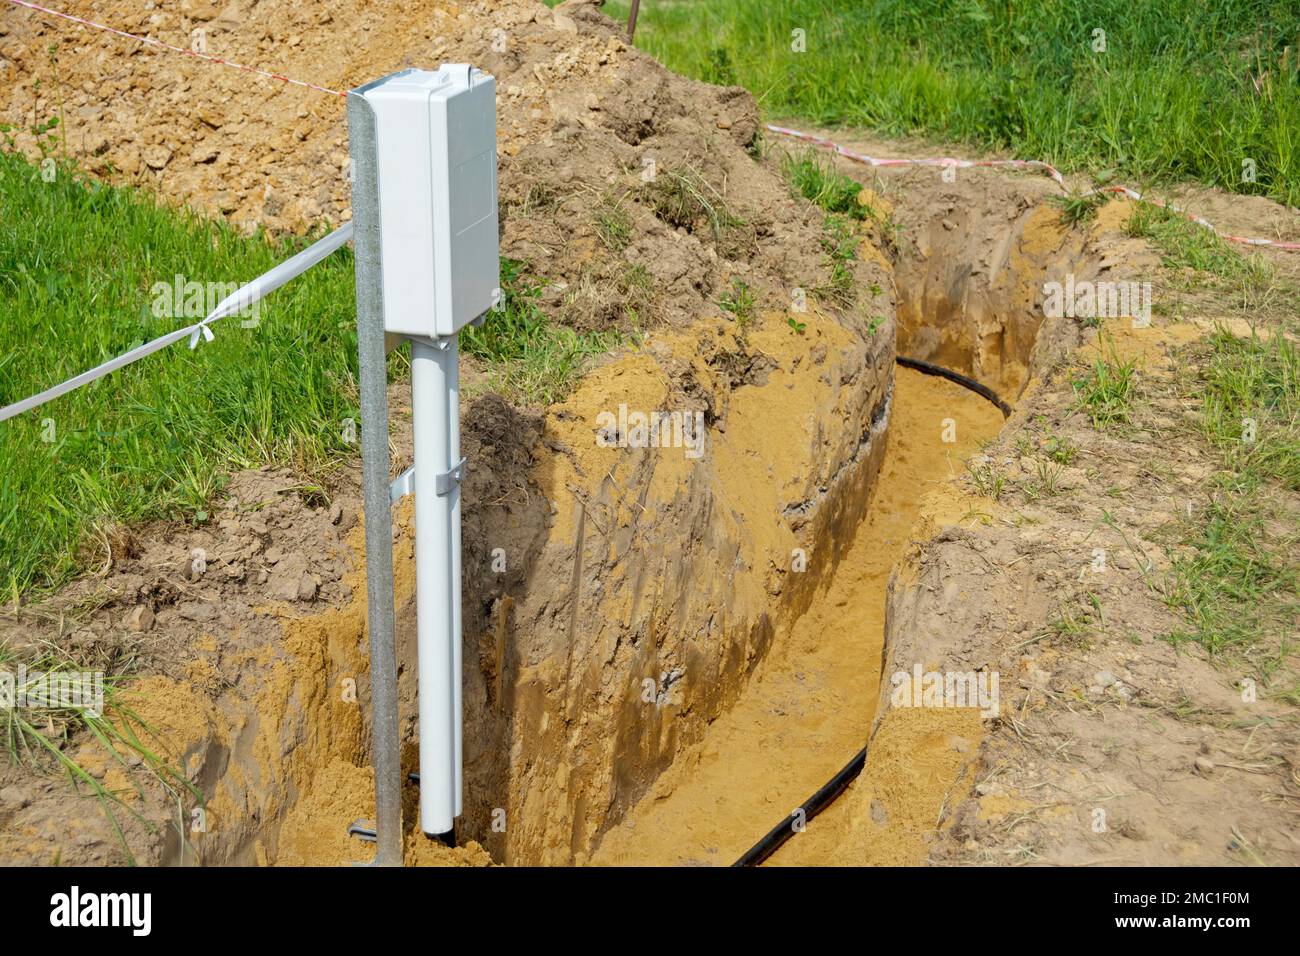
x: 775, y: 838
x: 964, y: 381
x: 819, y: 801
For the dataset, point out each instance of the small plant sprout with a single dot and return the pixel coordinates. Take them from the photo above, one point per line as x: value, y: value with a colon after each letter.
x: 738, y: 301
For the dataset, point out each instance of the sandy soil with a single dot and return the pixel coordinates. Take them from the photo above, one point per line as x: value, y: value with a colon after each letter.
x: 1113, y: 747
x: 807, y: 709
x: 634, y: 567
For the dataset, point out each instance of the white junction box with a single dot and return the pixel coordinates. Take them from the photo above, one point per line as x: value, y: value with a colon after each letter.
x: 436, y: 137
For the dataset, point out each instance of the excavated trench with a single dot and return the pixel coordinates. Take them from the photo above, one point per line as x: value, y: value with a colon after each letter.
x: 967, y: 282
x: 809, y: 707
x: 652, y: 682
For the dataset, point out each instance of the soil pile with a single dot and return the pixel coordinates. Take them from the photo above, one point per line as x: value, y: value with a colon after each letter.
x: 626, y: 187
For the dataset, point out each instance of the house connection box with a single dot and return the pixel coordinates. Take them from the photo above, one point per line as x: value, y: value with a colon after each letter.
x: 436, y: 136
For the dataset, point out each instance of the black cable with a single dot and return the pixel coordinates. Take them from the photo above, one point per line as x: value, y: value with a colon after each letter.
x: 814, y: 805
x: 823, y: 798
x: 966, y: 382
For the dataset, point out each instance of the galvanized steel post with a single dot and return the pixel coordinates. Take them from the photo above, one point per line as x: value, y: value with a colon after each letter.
x: 372, y: 357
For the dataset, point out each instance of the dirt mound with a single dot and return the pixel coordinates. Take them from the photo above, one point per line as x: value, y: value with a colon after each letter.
x: 628, y: 188
x: 638, y: 197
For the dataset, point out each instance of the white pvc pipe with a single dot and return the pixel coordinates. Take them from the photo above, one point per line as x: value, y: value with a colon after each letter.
x: 453, y: 388
x: 436, y: 407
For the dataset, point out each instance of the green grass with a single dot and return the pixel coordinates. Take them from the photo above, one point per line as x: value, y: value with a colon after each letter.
x: 739, y: 303
x: 840, y: 252
x: 1184, y: 244
x: 40, y: 736
x: 812, y: 176
x: 1237, y: 580
x: 1236, y: 586
x: 1250, y: 406
x: 77, y: 264
x: 1186, y: 89
x: 1105, y: 391
x: 1204, y: 258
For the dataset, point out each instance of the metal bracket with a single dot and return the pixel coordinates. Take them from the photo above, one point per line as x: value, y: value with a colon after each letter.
x: 439, y: 342
x: 401, y: 486
x: 364, y: 830
x: 444, y: 483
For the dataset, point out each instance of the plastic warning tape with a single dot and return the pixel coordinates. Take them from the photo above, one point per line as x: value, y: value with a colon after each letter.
x: 149, y: 41
x: 1052, y: 171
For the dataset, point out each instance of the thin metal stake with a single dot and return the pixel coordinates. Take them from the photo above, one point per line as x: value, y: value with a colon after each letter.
x: 631, y: 20
x: 374, y: 467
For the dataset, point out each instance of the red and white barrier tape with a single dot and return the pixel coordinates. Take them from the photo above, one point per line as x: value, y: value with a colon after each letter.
x: 946, y: 161
x: 938, y: 161
x: 149, y: 41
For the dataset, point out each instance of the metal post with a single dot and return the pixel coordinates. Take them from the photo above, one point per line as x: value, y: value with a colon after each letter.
x: 435, y: 405
x: 631, y: 20
x: 374, y: 466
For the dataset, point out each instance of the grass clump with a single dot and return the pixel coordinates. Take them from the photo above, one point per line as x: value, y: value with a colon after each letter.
x: 1076, y: 621
x: 739, y: 303
x: 1077, y: 209
x: 1060, y: 448
x: 1235, y: 587
x: 1184, y: 245
x: 40, y: 734
x: 1105, y: 392
x: 986, y: 477
x: 1237, y: 577
x: 840, y: 249
x: 813, y: 177
x: 684, y: 199
x: 534, y: 360
x: 1250, y: 405
x: 613, y: 224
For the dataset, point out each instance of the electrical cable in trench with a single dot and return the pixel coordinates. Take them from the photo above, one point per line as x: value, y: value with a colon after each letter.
x: 929, y: 368
x: 827, y: 794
